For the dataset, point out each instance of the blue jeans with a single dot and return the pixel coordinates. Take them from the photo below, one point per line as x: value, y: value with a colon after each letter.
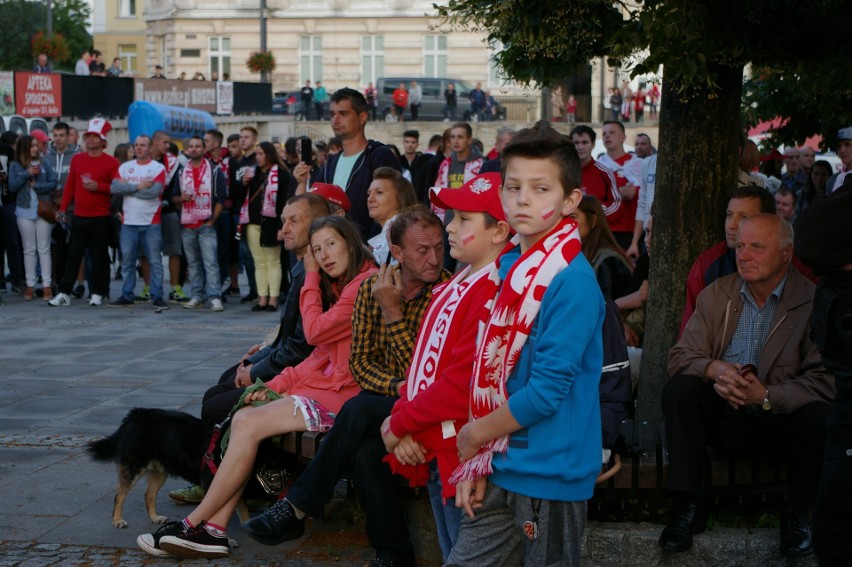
x: 447, y: 516
x: 151, y: 239
x: 199, y: 247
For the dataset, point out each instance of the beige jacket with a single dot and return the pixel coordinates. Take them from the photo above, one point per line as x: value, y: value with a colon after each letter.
x: 790, y: 364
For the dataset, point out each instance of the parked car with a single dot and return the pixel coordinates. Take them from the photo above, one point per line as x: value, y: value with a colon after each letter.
x: 281, y: 102
x: 432, y: 107
x: 22, y: 125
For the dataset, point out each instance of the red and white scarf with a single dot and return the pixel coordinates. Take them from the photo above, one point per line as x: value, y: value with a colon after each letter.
x: 504, y: 331
x: 199, y: 209
x: 170, y: 162
x: 427, y: 360
x: 270, y: 197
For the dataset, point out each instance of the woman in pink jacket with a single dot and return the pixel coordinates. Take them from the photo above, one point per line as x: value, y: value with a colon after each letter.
x: 335, y: 265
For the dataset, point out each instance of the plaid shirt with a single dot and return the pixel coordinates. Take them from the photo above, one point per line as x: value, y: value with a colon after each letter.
x: 381, y: 352
x: 753, y: 326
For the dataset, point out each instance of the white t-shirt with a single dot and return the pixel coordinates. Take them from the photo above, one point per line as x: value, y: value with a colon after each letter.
x: 137, y: 211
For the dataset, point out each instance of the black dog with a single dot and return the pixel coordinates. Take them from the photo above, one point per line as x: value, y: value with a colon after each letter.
x: 162, y: 443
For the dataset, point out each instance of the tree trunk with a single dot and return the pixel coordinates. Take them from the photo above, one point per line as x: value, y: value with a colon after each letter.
x: 696, y: 170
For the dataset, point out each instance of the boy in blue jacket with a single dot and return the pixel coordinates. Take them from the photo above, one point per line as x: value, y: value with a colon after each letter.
x: 532, y: 452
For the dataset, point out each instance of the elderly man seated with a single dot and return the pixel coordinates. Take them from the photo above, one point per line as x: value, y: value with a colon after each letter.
x: 747, y: 379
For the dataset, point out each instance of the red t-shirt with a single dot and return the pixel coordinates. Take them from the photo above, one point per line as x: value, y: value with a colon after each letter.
x: 625, y: 219
x: 400, y: 97
x: 102, y: 169
x: 599, y: 182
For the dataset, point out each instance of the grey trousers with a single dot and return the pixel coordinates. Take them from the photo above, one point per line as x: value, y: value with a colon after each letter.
x: 501, y: 534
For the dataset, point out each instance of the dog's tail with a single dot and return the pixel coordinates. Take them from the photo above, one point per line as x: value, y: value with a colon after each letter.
x: 103, y: 449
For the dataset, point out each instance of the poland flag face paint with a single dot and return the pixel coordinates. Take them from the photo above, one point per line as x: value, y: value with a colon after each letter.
x: 467, y: 238
x: 547, y: 213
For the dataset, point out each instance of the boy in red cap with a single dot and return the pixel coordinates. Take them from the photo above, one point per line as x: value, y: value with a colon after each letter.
x: 433, y: 404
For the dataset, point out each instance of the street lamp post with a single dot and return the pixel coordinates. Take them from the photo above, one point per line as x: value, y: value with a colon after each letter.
x: 49, y: 18
x: 264, y: 78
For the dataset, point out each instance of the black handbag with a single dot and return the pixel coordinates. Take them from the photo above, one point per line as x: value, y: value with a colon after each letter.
x: 269, y: 228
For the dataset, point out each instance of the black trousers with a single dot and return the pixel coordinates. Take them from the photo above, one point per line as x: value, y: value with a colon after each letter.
x: 355, y: 444
x: 92, y: 233
x: 219, y: 400
x: 11, y: 243
x: 696, y: 417
x: 832, y: 520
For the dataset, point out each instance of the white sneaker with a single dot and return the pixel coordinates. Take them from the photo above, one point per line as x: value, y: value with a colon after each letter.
x: 216, y: 304
x: 96, y: 300
x: 193, y: 303
x: 61, y: 299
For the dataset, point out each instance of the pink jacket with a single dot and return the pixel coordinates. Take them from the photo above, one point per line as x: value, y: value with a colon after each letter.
x: 324, y: 376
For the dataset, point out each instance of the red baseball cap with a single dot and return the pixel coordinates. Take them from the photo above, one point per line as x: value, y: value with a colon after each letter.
x: 479, y: 195
x: 331, y: 193
x: 40, y: 136
x: 99, y: 127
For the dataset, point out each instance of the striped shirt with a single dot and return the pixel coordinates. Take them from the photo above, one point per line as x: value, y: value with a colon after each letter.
x: 381, y: 352
x: 753, y: 327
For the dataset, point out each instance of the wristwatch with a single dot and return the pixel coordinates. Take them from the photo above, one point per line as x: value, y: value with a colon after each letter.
x: 766, y: 405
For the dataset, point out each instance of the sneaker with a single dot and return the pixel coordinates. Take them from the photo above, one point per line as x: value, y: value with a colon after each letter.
x: 60, y: 299
x: 216, y: 304
x: 96, y: 300
x: 250, y: 298
x: 150, y: 543
x: 189, y: 495
x: 78, y: 291
x: 145, y: 295
x: 196, y: 543
x: 160, y: 304
x: 178, y: 296
x: 277, y: 525
x: 121, y: 302
x: 193, y: 303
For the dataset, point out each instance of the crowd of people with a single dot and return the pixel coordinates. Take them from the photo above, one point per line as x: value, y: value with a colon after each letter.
x: 426, y: 297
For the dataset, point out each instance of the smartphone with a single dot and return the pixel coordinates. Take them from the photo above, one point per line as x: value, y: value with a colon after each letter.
x: 307, y: 152
x: 388, y: 258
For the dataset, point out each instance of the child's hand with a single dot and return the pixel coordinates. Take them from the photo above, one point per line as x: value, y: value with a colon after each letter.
x: 466, y: 442
x: 469, y: 495
x: 409, y: 451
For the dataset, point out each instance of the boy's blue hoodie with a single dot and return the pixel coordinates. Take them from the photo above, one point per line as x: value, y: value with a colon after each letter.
x: 553, y: 392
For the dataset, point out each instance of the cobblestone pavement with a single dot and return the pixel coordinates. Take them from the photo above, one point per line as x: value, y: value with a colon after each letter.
x: 69, y: 375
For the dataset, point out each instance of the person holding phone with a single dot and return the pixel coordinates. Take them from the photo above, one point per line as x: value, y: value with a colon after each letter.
x: 32, y: 180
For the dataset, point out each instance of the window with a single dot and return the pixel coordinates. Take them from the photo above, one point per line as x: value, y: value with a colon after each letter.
x: 220, y: 56
x: 127, y: 54
x: 190, y: 53
x: 372, y: 58
x: 496, y: 75
x: 310, y: 59
x: 435, y: 56
x: 126, y: 8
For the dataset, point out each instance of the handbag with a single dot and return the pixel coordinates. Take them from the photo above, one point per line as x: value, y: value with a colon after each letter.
x: 47, y: 210
x: 269, y: 227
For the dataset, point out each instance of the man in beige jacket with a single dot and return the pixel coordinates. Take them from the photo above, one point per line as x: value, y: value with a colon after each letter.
x: 746, y: 378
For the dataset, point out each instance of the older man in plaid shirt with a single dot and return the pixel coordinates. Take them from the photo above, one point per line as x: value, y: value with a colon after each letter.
x: 388, y: 312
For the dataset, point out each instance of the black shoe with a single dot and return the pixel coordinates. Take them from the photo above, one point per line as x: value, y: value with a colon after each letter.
x: 258, y: 307
x: 277, y: 525
x: 232, y: 291
x: 796, y: 539
x: 150, y: 543
x: 252, y: 295
x: 160, y: 304
x: 17, y: 288
x: 122, y: 302
x: 196, y: 543
x: 272, y: 308
x: 677, y: 536
x: 78, y: 291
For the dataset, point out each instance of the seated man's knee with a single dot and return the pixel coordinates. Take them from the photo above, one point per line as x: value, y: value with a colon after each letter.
x: 682, y: 388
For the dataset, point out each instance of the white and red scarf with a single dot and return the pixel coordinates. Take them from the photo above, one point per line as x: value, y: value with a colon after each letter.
x: 270, y: 197
x: 504, y: 331
x: 170, y: 162
x: 428, y: 359
x: 198, y: 209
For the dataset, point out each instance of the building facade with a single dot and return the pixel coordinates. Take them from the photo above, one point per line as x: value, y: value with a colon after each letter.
x: 119, y: 30
x: 339, y: 42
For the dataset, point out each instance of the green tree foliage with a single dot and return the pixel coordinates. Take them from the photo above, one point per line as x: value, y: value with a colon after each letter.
x: 813, y: 96
x: 703, y: 46
x: 22, y: 19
